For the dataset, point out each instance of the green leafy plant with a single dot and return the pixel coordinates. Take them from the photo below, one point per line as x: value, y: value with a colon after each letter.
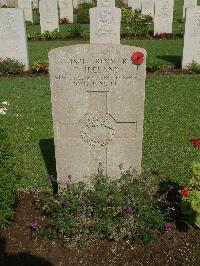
x: 152, y: 66
x: 194, y: 67
x: 75, y: 31
x: 191, y: 196
x: 82, y: 13
x: 47, y: 35
x: 8, y: 180
x: 112, y: 209
x: 134, y: 23
x: 40, y: 66
x: 11, y: 66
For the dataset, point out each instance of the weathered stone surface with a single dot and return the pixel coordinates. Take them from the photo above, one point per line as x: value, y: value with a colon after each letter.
x: 8, y: 3
x: 191, y: 50
x: 98, y: 108
x: 163, y: 16
x: 13, y: 42
x: 35, y: 4
x: 105, y: 3
x: 135, y: 4
x: 188, y: 3
x: 48, y: 15
x: 148, y: 7
x: 76, y: 3
x: 105, y: 25
x: 66, y: 9
x: 26, y: 5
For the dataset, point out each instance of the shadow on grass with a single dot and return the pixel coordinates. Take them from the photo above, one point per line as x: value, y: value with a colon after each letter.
x: 48, y: 153
x: 20, y: 259
x: 174, y: 59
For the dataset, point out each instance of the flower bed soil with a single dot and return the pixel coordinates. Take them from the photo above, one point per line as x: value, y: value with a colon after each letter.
x: 18, y: 249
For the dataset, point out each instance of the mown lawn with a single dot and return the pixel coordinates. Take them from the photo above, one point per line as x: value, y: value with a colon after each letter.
x: 163, y: 52
x: 171, y: 119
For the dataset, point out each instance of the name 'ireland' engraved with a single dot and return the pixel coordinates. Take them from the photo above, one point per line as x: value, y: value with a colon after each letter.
x: 98, y: 130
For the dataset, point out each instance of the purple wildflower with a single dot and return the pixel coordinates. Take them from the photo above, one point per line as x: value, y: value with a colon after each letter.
x: 65, y: 201
x: 129, y: 210
x: 34, y: 225
x: 168, y: 226
x: 50, y: 178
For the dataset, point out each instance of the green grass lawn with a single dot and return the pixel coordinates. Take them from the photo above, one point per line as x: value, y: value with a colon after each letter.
x: 165, y: 52
x: 171, y: 119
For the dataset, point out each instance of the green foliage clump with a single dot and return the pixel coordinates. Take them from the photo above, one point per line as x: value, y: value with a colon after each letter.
x: 191, y: 201
x: 109, y: 209
x: 11, y: 66
x: 82, y: 13
x: 134, y: 23
x: 152, y: 66
x: 8, y: 180
x: 194, y: 67
x: 75, y: 31
x: 47, y: 35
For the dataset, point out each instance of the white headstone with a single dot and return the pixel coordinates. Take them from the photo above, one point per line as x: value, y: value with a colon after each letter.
x: 163, y: 19
x: 26, y: 5
x: 76, y: 3
x: 35, y: 4
x: 48, y: 10
x: 135, y: 4
x: 105, y: 22
x: 97, y: 97
x: 188, y: 3
x: 191, y: 50
x: 148, y: 7
x: 13, y: 42
x: 66, y: 9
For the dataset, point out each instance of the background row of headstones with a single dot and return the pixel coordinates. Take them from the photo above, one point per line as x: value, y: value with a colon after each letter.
x: 105, y: 22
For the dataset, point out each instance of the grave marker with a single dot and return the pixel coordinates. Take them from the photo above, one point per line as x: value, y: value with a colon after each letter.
x: 191, y: 50
x: 48, y: 15
x: 105, y: 20
x: 148, y: 7
x: 98, y: 108
x: 26, y: 5
x: 66, y: 10
x: 13, y: 42
x: 163, y: 16
x: 188, y: 3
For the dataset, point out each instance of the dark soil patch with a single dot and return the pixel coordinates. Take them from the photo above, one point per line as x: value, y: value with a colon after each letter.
x: 17, y: 247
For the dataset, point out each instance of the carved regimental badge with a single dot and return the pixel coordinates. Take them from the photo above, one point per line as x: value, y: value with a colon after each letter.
x: 98, y: 130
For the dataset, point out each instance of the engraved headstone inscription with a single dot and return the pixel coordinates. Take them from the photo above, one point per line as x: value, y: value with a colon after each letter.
x: 97, y: 94
x: 191, y: 50
x: 13, y: 42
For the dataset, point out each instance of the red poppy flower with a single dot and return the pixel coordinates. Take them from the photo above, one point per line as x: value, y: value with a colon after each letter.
x: 185, y: 192
x: 137, y: 58
x: 196, y: 143
x: 42, y: 66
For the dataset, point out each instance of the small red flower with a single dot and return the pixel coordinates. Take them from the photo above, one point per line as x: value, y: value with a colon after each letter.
x: 137, y: 58
x: 196, y: 143
x: 185, y: 192
x: 42, y: 66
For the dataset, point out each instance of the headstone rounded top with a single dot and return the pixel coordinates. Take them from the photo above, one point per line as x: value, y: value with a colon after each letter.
x: 105, y: 3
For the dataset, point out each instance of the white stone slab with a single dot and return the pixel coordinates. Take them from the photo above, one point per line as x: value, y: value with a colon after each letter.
x: 97, y: 98
x: 148, y: 7
x: 76, y: 3
x: 188, y: 3
x: 35, y: 4
x: 26, y: 5
x: 135, y: 4
x: 66, y: 9
x: 163, y: 16
x: 105, y: 25
x: 48, y: 15
x: 191, y: 50
x: 106, y: 3
x: 13, y: 42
